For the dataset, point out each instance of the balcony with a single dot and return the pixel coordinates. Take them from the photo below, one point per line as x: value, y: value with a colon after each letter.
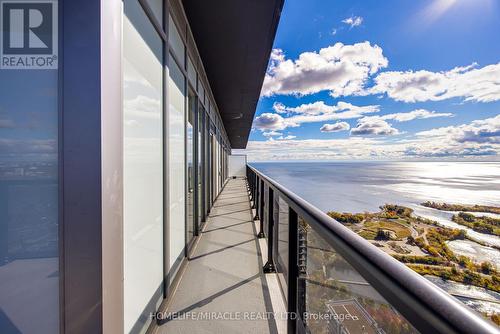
x: 245, y: 276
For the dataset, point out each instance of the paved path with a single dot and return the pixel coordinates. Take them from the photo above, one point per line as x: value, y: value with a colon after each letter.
x: 224, y: 278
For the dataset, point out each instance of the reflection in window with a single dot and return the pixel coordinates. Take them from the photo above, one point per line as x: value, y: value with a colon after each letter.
x: 175, y: 41
x: 191, y: 72
x: 142, y: 167
x: 190, y: 164
x: 177, y: 167
x: 29, y: 276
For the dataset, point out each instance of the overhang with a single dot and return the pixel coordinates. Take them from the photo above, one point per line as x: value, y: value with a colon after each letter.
x: 235, y: 39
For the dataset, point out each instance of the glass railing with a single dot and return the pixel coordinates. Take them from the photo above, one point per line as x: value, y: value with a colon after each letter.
x: 334, y: 281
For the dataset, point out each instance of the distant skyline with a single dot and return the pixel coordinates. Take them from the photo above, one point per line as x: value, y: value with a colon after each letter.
x: 389, y: 80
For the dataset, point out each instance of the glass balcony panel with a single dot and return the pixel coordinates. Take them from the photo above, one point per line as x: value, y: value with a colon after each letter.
x: 334, y: 297
x: 282, y: 244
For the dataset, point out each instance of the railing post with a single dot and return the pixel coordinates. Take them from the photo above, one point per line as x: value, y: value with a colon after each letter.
x: 249, y: 182
x: 254, y: 191
x: 260, y: 209
x: 269, y: 267
x: 292, y: 271
x: 256, y: 199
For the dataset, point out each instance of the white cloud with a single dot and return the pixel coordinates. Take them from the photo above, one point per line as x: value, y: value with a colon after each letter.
x: 279, y: 107
x: 289, y: 137
x: 333, y: 32
x: 414, y: 114
x: 486, y: 131
x: 340, y: 69
x: 143, y: 106
x: 6, y: 124
x: 479, y: 139
x: 345, y: 70
x: 353, y: 21
x: 373, y: 126
x: 309, y: 113
x: 411, y: 115
x: 339, y: 126
x: 269, y: 121
x: 271, y: 134
x: 469, y: 82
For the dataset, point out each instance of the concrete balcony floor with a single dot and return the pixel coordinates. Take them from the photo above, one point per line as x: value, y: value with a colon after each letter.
x: 224, y: 274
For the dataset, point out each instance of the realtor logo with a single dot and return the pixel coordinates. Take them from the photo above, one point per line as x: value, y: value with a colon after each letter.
x: 28, y: 34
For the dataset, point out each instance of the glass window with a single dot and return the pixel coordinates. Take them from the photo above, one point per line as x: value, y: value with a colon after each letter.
x: 190, y: 164
x: 175, y: 41
x: 142, y: 166
x: 29, y: 226
x: 201, y: 91
x: 176, y: 168
x: 199, y: 145
x: 191, y: 73
x: 157, y: 9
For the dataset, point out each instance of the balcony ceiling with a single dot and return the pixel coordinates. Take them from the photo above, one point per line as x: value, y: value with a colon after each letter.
x: 235, y: 38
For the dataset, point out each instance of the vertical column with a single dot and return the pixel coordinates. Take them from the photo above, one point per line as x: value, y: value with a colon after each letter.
x: 112, y: 167
x: 80, y: 162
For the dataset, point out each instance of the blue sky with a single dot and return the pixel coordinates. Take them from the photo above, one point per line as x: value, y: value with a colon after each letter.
x: 382, y: 80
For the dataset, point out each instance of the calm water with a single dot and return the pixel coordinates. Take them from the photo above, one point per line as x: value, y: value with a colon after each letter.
x: 364, y: 186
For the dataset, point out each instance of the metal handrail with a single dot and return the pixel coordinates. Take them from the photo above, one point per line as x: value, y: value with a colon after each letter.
x: 427, y: 307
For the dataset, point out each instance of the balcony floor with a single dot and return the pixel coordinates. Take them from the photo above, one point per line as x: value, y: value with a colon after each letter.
x: 224, y: 274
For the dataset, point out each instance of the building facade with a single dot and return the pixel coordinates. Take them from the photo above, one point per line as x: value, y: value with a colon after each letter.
x: 115, y: 131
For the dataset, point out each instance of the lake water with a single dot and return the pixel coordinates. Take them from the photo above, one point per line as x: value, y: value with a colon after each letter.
x: 364, y: 186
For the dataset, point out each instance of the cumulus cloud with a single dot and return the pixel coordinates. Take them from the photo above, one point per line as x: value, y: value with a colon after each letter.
x: 353, y: 21
x: 309, y: 113
x: 269, y: 121
x: 340, y: 69
x: 143, y: 106
x: 345, y: 70
x: 445, y: 152
x: 339, y: 126
x: 479, y: 131
x: 409, y: 116
x: 358, y: 147
x: 271, y: 134
x: 468, y: 82
x: 289, y: 137
x: 414, y: 114
x: 371, y: 126
x: 6, y: 124
x: 279, y: 107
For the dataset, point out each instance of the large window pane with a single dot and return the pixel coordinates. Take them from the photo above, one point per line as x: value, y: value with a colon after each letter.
x: 190, y: 164
x: 176, y: 168
x: 175, y: 41
x: 142, y: 167
x: 29, y: 265
x: 191, y: 72
x: 157, y: 8
x: 199, y: 170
